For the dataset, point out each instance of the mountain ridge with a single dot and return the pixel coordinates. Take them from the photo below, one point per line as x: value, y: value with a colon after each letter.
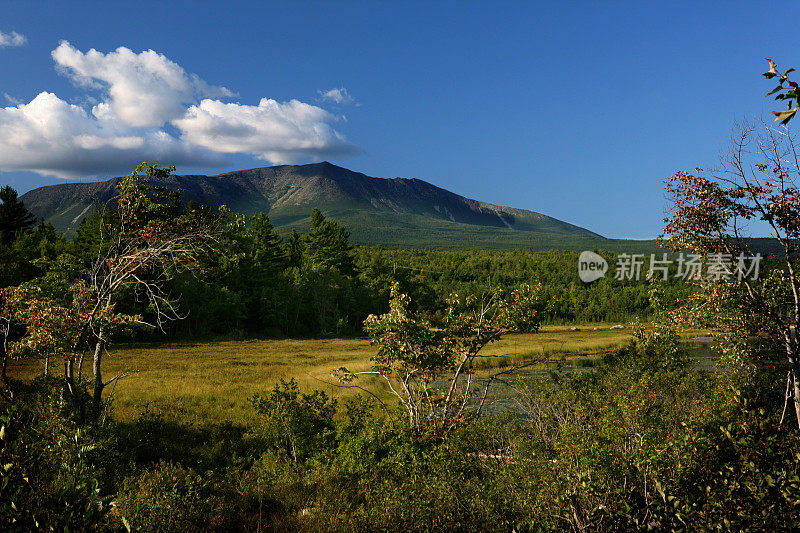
x: 397, y: 212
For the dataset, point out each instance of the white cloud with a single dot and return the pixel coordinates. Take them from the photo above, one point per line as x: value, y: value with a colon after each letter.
x: 11, y: 100
x: 133, y: 101
x: 338, y: 96
x: 143, y: 90
x: 283, y: 133
x: 53, y: 137
x: 12, y: 39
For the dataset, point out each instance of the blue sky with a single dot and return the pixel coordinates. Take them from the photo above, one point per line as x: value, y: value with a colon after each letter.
x: 574, y: 109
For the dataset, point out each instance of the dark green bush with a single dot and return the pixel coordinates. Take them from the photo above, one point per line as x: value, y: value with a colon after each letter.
x: 170, y: 497
x: 54, y: 474
x: 745, y: 475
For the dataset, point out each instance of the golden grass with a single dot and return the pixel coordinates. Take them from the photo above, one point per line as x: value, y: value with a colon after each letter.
x: 211, y: 382
x: 554, y: 342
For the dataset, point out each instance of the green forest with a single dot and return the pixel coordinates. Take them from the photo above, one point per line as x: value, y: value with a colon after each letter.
x: 259, y: 284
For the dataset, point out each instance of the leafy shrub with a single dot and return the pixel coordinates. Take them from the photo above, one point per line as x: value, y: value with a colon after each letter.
x: 277, y: 490
x: 170, y: 497
x: 52, y: 470
x: 299, y: 425
x: 745, y: 476
x: 153, y: 437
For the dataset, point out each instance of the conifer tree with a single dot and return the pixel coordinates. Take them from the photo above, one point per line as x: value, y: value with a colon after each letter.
x: 14, y: 217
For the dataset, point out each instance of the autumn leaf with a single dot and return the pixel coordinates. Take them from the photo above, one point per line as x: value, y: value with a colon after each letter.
x: 773, y: 71
x: 784, y: 116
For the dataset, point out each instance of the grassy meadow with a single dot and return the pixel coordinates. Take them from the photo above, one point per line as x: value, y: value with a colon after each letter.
x: 211, y: 382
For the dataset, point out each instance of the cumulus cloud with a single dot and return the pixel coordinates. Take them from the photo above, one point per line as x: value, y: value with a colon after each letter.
x: 143, y: 90
x: 283, y: 133
x: 12, y: 39
x: 132, y: 102
x: 53, y: 137
x: 338, y: 96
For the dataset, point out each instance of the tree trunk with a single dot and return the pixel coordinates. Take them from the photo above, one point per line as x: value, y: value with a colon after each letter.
x: 796, y: 393
x: 97, y: 396
x: 68, y: 391
x: 4, y: 351
x: 7, y: 392
x: 5, y: 364
x: 794, y: 369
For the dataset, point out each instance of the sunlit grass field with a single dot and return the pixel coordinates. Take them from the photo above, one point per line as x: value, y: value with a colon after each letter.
x: 211, y: 382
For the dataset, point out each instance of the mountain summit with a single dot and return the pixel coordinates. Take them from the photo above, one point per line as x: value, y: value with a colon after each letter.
x: 392, y: 212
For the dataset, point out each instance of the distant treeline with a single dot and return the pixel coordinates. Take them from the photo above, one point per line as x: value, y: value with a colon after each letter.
x: 432, y: 275
x: 316, y: 283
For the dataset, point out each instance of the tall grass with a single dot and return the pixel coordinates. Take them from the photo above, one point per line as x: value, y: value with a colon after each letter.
x: 211, y: 382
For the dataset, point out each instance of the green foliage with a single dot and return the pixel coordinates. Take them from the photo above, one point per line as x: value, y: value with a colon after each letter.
x: 29, y: 254
x: 294, y: 423
x: 257, y: 284
x: 411, y: 343
x: 414, y: 352
x: 430, y: 276
x: 280, y: 488
x: 658, y: 343
x: 50, y: 478
x: 170, y: 497
x: 744, y: 475
x: 326, y: 246
x: 789, y: 92
x: 638, y: 447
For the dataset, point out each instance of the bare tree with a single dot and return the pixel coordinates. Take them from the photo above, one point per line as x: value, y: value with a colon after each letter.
x: 5, y: 332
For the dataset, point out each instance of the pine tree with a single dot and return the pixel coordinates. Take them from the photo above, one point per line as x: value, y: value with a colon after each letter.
x: 14, y: 218
x: 268, y: 249
x: 327, y: 245
x: 294, y: 245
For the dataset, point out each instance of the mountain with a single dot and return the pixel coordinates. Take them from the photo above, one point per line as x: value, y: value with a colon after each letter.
x: 395, y: 212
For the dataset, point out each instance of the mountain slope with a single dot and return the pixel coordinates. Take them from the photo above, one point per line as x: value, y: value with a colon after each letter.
x: 393, y: 212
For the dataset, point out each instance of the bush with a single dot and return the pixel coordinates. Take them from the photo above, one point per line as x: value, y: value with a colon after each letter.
x: 152, y: 438
x: 744, y: 475
x: 299, y: 425
x: 170, y: 497
x: 53, y: 471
